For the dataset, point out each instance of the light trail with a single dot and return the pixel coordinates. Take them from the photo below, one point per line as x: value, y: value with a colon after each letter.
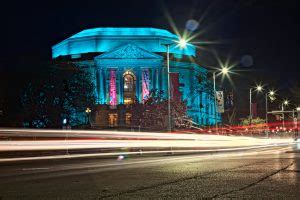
x: 113, y: 143
x: 116, y: 144
x: 122, y: 139
x: 108, y: 134
x: 115, y: 154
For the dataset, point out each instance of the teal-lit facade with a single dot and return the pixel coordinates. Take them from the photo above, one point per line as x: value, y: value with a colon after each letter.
x: 121, y: 56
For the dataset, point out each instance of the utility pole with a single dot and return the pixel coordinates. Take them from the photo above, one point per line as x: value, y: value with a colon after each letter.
x: 169, y: 91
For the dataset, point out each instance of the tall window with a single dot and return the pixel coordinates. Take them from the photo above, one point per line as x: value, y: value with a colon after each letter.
x: 128, y: 83
x: 129, y: 87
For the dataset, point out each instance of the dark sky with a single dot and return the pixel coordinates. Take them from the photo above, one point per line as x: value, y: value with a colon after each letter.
x: 264, y: 29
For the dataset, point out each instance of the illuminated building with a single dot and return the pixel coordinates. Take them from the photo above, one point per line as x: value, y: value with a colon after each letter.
x: 126, y: 63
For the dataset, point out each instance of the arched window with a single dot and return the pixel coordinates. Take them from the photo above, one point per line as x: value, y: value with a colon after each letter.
x: 129, y: 87
x: 128, y: 83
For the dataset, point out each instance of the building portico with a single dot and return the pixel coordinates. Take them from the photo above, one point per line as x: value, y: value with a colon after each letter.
x: 113, y: 67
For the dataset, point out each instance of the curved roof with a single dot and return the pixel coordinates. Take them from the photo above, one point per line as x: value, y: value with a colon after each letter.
x: 124, y: 32
x: 107, y: 39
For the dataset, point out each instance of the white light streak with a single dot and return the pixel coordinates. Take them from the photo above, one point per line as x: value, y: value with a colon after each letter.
x: 114, y: 142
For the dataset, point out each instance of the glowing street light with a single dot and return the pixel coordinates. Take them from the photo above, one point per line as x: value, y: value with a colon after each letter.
x: 225, y: 70
x: 298, y: 108
x: 182, y: 43
x: 259, y: 88
x: 88, y: 110
x: 271, y: 93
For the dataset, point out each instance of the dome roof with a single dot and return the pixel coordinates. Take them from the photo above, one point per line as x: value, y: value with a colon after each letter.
x: 107, y: 39
x: 124, y: 32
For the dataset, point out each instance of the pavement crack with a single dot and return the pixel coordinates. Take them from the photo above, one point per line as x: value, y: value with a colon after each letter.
x: 174, y: 181
x: 253, y: 183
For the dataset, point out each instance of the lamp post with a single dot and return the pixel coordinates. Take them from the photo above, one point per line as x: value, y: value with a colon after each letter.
x: 182, y: 43
x: 271, y: 95
x: 88, y: 111
x: 224, y: 71
x: 284, y: 103
x: 169, y: 91
x: 258, y: 88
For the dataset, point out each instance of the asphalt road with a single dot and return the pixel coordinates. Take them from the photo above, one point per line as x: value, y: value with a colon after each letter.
x: 261, y: 174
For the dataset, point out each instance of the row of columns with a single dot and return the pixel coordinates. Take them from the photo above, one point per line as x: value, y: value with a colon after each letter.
x: 103, y: 77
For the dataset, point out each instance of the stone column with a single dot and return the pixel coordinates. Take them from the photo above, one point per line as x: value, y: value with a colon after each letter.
x: 153, y: 84
x: 107, y: 72
x: 138, y: 84
x: 120, y: 87
x: 103, y: 73
x: 164, y: 81
x: 100, y: 86
x: 158, y: 78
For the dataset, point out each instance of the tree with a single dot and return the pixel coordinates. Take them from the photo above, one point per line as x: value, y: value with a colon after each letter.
x: 153, y: 114
x: 257, y: 125
x: 254, y: 121
x: 202, y: 84
x: 63, y: 91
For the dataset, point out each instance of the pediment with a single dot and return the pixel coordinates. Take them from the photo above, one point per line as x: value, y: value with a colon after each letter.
x: 129, y: 51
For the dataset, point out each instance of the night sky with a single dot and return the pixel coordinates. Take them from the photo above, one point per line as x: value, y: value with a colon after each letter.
x: 265, y: 30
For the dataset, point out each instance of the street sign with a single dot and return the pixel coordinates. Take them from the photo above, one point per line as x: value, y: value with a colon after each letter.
x: 220, y: 101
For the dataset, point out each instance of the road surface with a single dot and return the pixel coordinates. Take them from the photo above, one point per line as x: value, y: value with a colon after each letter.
x: 271, y: 173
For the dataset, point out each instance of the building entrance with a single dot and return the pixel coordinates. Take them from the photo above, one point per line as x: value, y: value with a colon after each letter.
x: 129, y: 87
x: 112, y: 119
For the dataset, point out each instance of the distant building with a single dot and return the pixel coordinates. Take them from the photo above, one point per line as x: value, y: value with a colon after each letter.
x: 126, y: 63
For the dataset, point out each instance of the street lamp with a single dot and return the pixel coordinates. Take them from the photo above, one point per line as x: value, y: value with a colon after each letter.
x: 88, y: 111
x: 271, y: 95
x: 182, y: 43
x: 225, y: 71
x: 284, y: 103
x: 257, y: 88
